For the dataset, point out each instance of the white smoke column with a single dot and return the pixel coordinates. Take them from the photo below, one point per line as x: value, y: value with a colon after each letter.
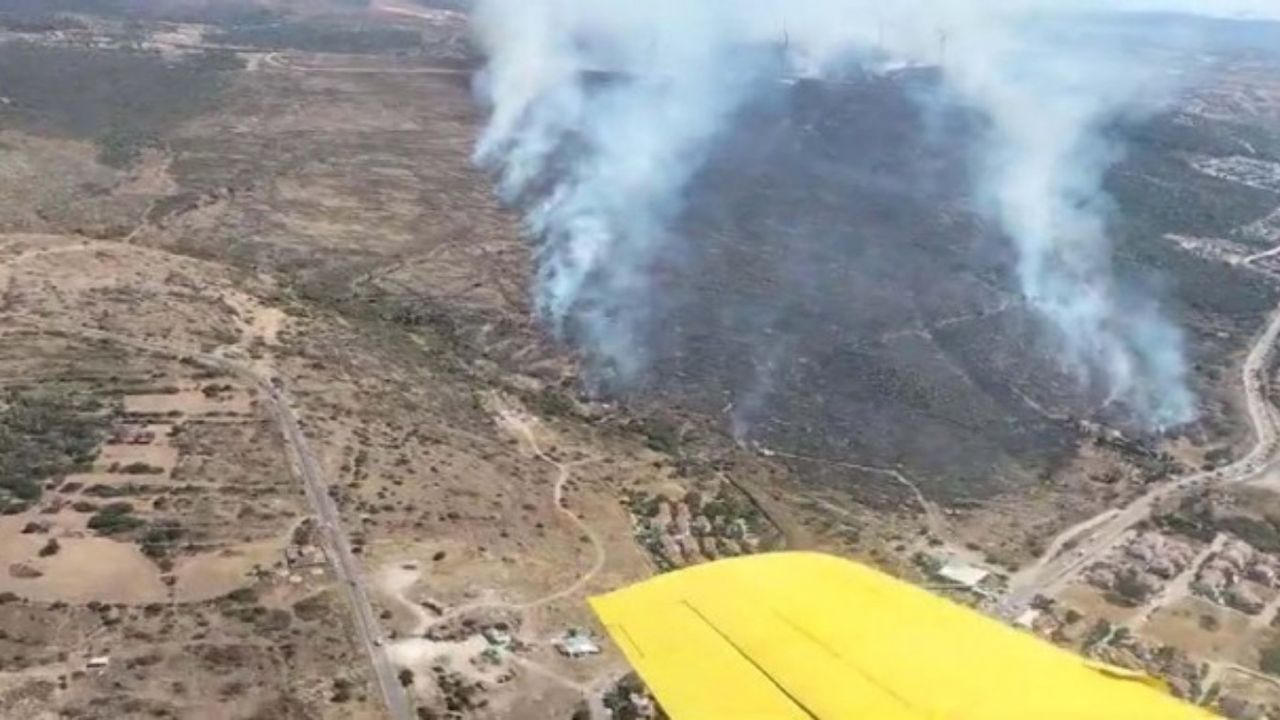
x: 621, y: 101
x: 603, y: 110
x: 1048, y: 104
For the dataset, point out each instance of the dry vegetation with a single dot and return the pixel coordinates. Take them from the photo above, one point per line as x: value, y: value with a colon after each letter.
x: 311, y: 218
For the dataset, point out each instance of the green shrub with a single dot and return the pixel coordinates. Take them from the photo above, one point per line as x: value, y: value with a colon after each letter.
x: 243, y: 595
x: 50, y: 548
x: 114, y: 518
x: 160, y: 537
x: 141, y: 468
x: 552, y: 402
x: 1129, y: 591
x: 1262, y: 534
x: 44, y: 435
x: 1269, y: 663
x: 661, y: 436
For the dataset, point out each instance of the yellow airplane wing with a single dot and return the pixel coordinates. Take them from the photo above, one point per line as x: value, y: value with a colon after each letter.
x: 802, y: 635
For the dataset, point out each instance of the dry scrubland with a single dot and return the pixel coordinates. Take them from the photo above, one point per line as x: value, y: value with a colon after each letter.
x: 303, y: 216
x: 303, y: 221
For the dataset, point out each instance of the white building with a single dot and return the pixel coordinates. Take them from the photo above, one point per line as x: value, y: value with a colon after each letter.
x: 576, y: 644
x: 1027, y: 620
x: 963, y: 574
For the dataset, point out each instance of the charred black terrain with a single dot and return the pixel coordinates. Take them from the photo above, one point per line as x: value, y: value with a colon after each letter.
x: 835, y: 294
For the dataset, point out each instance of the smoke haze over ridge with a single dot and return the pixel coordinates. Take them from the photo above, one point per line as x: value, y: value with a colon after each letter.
x: 603, y: 112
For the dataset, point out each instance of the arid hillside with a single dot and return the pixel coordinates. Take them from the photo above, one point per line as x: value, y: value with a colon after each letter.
x: 280, y: 437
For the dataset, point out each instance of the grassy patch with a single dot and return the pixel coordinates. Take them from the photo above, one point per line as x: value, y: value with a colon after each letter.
x: 661, y: 435
x: 114, y: 519
x: 1269, y: 663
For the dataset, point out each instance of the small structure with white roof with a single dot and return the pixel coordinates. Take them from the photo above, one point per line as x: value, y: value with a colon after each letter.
x: 577, y: 643
x: 963, y: 574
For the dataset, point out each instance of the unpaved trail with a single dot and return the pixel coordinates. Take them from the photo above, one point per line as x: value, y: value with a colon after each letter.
x: 277, y: 61
x: 523, y: 430
x: 597, y: 547
x: 927, y: 331
x: 1248, y: 672
x: 1261, y: 256
x: 395, y: 582
x: 419, y: 13
x: 592, y: 693
x: 935, y: 523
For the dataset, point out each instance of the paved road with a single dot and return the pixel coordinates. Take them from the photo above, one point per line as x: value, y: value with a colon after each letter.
x: 334, y: 540
x: 1057, y: 567
x: 338, y: 550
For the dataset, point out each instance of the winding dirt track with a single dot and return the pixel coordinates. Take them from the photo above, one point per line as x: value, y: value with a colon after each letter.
x: 593, y: 692
x: 934, y: 521
x: 563, y: 472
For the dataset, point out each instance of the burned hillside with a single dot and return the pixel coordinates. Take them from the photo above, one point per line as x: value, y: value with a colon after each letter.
x: 835, y: 294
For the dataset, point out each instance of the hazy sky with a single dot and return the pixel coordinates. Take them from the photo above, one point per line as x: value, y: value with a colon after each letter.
x: 1225, y: 8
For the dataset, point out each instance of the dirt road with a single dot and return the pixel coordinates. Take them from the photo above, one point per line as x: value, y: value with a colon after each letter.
x: 557, y: 496
x: 521, y: 427
x: 418, y: 13
x: 592, y: 693
x: 1261, y: 256
x: 935, y: 523
x: 1057, y: 567
x: 278, y: 61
